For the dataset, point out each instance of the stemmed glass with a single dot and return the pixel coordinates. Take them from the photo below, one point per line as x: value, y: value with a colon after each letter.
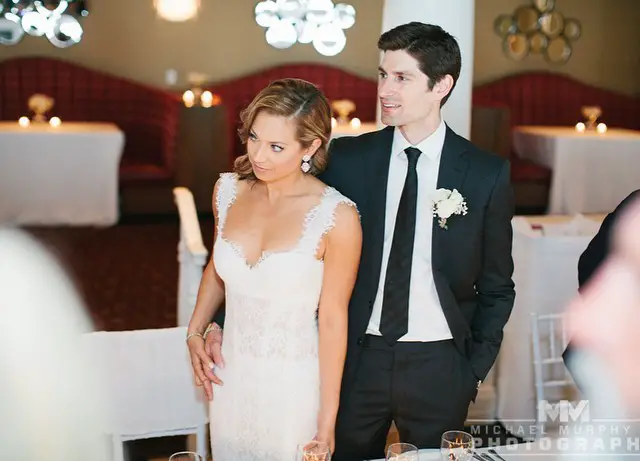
x: 313, y: 451
x: 457, y: 446
x: 402, y: 452
x: 185, y: 456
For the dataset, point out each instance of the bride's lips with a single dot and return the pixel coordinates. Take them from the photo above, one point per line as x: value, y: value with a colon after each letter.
x: 259, y: 168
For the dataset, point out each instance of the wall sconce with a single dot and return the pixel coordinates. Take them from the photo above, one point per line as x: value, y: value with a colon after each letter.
x: 196, y: 96
x: 24, y: 122
x: 55, y: 122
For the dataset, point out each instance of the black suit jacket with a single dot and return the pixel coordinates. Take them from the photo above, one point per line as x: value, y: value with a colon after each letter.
x: 596, y: 253
x: 472, y: 263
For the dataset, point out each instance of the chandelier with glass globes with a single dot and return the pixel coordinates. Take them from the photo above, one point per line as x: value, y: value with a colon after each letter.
x: 55, y: 19
x: 320, y: 22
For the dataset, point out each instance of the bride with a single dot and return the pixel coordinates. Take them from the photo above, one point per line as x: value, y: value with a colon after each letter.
x: 285, y: 258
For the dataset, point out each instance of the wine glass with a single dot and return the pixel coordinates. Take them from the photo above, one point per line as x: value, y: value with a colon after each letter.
x: 313, y: 451
x: 185, y: 456
x: 457, y: 446
x: 402, y: 452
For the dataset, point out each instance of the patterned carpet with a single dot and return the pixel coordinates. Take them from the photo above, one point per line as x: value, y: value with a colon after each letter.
x: 127, y: 274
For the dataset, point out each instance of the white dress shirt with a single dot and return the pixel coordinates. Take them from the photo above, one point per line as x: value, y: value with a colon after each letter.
x: 426, y: 318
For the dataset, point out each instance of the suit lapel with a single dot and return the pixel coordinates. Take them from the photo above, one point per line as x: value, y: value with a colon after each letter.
x: 452, y: 174
x: 377, y: 175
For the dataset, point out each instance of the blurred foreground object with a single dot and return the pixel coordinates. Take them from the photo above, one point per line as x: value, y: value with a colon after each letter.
x: 50, y: 396
x: 605, y: 318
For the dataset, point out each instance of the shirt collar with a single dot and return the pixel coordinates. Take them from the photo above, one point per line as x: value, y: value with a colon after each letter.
x: 431, y: 146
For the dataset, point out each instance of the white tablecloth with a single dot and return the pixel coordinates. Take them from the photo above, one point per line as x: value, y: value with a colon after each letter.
x: 59, y: 176
x: 591, y: 172
x: 546, y: 278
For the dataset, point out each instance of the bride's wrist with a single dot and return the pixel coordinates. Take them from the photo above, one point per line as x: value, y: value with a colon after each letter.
x: 326, y: 421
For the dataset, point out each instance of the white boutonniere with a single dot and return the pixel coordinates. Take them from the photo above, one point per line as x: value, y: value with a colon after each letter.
x: 447, y: 203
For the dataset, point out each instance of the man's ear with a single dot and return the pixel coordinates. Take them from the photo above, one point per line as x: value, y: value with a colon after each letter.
x: 443, y: 87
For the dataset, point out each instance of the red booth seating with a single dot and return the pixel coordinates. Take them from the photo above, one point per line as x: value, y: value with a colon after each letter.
x: 148, y: 116
x: 545, y: 98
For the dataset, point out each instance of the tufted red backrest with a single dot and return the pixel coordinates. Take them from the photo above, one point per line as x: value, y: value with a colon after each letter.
x: 545, y: 98
x: 335, y: 83
x: 149, y: 117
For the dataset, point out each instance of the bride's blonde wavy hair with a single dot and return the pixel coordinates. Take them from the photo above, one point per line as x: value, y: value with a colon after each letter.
x: 299, y: 101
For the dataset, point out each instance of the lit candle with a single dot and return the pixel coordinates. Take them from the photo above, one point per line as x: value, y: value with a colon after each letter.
x: 355, y: 123
x: 188, y: 98
x: 24, y: 122
x: 580, y: 127
x: 55, y: 122
x: 206, y: 99
x: 601, y: 128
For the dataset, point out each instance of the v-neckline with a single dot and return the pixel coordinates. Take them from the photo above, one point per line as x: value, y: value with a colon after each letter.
x: 266, y: 253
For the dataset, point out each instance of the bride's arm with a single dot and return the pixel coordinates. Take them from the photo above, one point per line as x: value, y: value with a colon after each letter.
x: 211, y: 290
x: 341, y: 260
x: 210, y: 297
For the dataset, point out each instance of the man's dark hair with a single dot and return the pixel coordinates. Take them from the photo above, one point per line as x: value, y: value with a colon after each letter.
x: 436, y: 51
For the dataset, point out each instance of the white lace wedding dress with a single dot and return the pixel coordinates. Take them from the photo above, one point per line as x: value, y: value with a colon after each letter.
x: 270, y: 397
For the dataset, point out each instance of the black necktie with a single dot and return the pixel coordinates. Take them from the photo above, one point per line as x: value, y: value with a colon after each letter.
x: 394, y: 322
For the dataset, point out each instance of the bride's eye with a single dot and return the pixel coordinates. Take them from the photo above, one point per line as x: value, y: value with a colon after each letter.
x: 276, y: 148
x: 252, y: 137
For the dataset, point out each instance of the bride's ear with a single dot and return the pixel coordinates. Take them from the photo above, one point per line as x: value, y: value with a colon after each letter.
x: 313, y: 148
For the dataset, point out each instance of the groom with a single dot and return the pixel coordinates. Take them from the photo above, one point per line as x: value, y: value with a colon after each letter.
x: 433, y: 292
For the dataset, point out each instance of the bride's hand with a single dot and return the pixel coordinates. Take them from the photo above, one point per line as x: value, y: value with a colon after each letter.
x: 202, y: 365
x: 327, y: 436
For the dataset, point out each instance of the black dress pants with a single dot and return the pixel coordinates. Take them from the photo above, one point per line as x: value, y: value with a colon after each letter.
x: 424, y: 387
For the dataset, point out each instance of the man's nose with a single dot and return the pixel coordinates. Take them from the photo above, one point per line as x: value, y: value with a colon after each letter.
x: 386, y: 88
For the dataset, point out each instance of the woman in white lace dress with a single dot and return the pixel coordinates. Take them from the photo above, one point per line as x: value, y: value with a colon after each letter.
x: 285, y: 258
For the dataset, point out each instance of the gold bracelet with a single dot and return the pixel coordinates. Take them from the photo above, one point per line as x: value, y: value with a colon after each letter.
x: 211, y: 327
x: 195, y: 333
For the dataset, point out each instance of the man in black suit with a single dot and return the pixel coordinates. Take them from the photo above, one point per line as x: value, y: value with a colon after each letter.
x: 593, y: 256
x: 432, y: 298
x: 433, y: 293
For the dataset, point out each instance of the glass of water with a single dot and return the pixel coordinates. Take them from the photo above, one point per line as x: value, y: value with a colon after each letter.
x: 313, y: 451
x: 402, y: 452
x: 186, y: 456
x: 457, y: 446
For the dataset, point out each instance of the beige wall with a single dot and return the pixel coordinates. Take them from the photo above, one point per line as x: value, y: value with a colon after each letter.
x: 607, y: 54
x: 126, y: 38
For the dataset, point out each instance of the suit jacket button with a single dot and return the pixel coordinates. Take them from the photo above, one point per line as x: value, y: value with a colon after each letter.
x: 359, y: 341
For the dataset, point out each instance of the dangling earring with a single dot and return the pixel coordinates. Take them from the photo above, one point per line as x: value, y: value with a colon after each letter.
x: 305, y: 163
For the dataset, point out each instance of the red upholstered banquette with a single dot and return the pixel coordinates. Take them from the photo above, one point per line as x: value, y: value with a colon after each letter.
x: 545, y: 98
x: 148, y: 116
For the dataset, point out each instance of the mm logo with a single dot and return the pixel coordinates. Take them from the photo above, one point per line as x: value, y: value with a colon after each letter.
x: 563, y: 411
